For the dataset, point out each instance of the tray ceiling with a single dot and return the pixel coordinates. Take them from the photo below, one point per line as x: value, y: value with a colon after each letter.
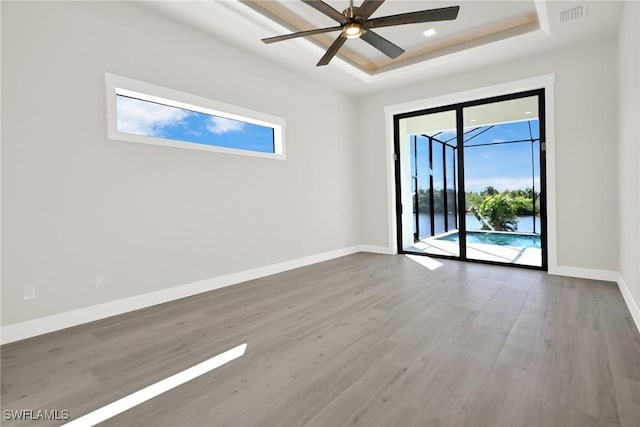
x: 486, y: 32
x: 478, y: 23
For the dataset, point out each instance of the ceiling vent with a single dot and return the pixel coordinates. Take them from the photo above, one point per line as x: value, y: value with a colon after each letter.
x: 573, y: 14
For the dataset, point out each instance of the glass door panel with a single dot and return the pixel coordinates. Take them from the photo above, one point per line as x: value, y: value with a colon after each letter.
x: 428, y: 159
x: 501, y: 175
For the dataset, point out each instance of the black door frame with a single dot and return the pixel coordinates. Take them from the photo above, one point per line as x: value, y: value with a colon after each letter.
x: 458, y: 108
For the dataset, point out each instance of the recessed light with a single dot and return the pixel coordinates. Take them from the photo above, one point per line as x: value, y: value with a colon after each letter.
x: 430, y: 32
x: 473, y: 120
x: 527, y: 112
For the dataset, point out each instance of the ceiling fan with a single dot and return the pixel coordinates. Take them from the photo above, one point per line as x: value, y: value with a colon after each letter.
x: 355, y: 22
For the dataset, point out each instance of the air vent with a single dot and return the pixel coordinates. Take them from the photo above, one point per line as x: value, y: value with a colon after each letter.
x: 573, y: 14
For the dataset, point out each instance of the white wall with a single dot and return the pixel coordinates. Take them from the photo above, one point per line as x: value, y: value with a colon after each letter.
x: 586, y: 149
x: 629, y: 151
x: 75, y: 204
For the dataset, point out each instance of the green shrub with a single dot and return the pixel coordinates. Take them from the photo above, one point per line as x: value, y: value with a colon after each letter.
x: 497, y: 212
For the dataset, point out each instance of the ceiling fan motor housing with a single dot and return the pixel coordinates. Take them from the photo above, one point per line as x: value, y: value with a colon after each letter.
x: 353, y: 28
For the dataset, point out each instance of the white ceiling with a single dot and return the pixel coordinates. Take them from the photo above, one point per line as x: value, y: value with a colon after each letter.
x: 361, y: 69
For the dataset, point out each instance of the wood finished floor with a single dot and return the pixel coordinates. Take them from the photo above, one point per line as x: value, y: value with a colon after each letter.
x: 362, y: 340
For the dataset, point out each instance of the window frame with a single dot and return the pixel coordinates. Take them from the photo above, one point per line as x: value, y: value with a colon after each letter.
x: 118, y: 85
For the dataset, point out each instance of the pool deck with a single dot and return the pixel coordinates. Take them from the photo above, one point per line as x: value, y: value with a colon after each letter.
x: 480, y: 251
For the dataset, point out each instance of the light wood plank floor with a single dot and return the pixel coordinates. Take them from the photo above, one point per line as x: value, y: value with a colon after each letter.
x: 362, y: 340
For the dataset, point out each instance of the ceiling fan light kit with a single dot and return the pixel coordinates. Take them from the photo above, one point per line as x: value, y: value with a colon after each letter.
x: 355, y: 22
x: 352, y: 30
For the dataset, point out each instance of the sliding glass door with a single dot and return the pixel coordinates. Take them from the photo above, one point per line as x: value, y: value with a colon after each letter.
x: 473, y: 177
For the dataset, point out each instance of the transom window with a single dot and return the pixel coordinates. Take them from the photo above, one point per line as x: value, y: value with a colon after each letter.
x: 145, y: 113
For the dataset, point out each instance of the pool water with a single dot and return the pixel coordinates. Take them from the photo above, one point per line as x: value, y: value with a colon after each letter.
x: 501, y: 239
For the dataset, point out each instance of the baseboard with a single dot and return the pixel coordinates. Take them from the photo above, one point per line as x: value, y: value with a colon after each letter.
x: 584, y: 273
x: 631, y: 303
x: 43, y: 325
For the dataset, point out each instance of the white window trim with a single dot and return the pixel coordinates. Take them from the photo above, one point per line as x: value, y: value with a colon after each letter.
x: 118, y: 85
x: 545, y: 81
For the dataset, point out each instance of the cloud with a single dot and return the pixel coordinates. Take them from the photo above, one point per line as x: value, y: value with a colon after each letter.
x: 220, y: 125
x: 147, y: 118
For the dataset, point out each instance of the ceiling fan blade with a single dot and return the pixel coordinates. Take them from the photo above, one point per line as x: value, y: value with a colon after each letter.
x: 382, y: 44
x: 432, y: 15
x: 322, y: 7
x: 368, y: 7
x: 300, y: 34
x: 333, y: 49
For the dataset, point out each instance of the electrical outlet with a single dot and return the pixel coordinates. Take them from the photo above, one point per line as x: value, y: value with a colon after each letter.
x: 29, y: 292
x: 98, y: 281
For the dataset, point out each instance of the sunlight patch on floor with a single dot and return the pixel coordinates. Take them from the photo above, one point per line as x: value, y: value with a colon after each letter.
x: 149, y: 392
x: 425, y: 261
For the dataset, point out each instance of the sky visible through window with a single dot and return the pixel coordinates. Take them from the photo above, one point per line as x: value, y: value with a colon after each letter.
x: 141, y: 117
x: 502, y: 166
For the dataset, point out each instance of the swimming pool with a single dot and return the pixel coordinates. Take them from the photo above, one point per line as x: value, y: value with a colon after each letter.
x: 501, y: 239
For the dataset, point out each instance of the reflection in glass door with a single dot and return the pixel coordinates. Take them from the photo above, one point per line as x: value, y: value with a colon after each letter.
x: 430, y: 154
x: 471, y: 177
